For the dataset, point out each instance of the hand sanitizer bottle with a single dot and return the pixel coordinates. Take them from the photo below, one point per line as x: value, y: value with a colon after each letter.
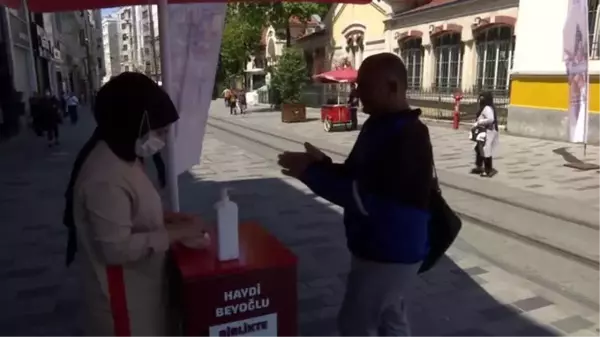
x: 227, y: 228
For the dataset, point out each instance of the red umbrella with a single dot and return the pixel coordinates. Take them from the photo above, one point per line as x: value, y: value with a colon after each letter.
x: 73, y: 5
x: 338, y: 76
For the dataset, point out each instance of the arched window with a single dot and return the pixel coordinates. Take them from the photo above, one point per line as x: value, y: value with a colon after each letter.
x: 594, y: 29
x: 495, y: 50
x: 412, y: 55
x: 448, y: 52
x: 355, y: 48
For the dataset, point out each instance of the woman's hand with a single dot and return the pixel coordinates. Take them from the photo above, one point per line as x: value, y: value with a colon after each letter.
x: 181, y: 226
x: 180, y: 231
x: 175, y: 217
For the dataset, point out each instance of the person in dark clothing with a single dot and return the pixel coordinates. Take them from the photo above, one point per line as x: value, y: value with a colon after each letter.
x: 242, y: 101
x: 36, y: 116
x: 50, y: 118
x: 232, y: 104
x: 114, y: 214
x: 353, y: 102
x: 384, y: 188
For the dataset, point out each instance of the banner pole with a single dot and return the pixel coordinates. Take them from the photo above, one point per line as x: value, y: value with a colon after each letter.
x: 587, y: 105
x: 165, y: 64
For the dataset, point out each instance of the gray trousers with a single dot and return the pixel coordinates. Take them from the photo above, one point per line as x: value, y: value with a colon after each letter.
x: 374, y: 301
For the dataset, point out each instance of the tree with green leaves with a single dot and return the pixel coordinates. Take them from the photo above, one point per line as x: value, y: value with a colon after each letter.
x: 241, y: 39
x: 278, y: 14
x: 244, y: 25
x: 290, y: 76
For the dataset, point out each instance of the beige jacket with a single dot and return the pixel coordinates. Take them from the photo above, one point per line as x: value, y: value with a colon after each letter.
x: 122, y: 244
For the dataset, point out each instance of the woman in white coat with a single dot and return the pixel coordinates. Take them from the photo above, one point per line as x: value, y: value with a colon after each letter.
x: 485, y: 133
x: 114, y: 214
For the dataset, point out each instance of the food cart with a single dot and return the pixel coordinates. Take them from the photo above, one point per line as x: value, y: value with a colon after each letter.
x: 336, y: 113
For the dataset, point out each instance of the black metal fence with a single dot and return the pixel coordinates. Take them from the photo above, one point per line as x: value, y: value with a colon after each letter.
x: 438, y: 103
x: 435, y: 103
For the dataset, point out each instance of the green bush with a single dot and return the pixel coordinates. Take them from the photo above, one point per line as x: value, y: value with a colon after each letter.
x: 289, y: 76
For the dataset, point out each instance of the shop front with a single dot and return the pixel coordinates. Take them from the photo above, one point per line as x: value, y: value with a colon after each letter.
x: 21, y: 71
x: 43, y: 54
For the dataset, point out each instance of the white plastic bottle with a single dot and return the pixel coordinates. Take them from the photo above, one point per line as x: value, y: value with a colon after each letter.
x: 228, y: 244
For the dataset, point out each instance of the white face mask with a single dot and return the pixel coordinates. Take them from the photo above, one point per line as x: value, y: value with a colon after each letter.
x: 150, y: 144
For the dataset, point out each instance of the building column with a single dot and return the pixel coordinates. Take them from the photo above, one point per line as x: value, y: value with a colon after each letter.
x: 389, y: 45
x: 469, y: 66
x: 428, y: 67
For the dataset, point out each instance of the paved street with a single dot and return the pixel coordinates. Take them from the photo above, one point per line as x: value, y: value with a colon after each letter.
x: 529, y: 164
x: 39, y: 294
x: 464, y: 295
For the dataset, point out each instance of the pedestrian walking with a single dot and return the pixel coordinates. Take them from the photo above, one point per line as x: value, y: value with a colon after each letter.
x: 36, y: 114
x: 384, y: 187
x: 226, y: 96
x: 353, y: 103
x: 242, y: 104
x: 114, y: 214
x: 72, y: 107
x: 50, y: 118
x: 485, y: 135
x: 232, y: 103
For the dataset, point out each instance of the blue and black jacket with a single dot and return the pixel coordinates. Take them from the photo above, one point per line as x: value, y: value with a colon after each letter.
x: 384, y: 187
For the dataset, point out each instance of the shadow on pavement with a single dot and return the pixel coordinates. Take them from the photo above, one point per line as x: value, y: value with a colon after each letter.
x: 567, y: 156
x: 445, y: 301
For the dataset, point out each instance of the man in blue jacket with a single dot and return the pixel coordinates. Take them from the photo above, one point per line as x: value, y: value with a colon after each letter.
x: 384, y: 188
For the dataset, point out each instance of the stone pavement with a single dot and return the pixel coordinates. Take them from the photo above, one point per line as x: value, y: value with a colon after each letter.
x: 463, y: 296
x: 39, y: 295
x: 530, y: 164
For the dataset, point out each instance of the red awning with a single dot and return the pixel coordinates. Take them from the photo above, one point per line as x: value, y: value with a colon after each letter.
x: 337, y: 76
x: 40, y: 6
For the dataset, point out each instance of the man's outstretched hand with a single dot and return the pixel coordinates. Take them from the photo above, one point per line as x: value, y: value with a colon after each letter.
x: 314, y: 152
x: 295, y: 163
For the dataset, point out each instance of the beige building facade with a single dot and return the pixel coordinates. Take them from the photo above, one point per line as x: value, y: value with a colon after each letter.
x: 466, y: 45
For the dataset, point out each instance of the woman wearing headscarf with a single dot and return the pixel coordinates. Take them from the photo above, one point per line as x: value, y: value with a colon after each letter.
x: 114, y: 213
x: 485, y: 135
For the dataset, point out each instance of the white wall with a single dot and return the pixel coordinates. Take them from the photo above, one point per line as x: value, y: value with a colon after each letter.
x: 539, y: 43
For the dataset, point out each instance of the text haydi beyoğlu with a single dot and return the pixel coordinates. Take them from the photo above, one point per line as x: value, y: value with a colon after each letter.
x: 252, y: 297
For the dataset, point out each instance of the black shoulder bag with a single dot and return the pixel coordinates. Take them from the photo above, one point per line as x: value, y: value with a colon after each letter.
x: 443, y: 228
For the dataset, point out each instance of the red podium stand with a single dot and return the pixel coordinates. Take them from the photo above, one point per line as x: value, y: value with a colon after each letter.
x: 253, y: 296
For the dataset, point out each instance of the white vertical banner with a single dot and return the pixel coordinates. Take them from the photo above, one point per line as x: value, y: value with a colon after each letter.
x: 195, y: 32
x: 576, y: 49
